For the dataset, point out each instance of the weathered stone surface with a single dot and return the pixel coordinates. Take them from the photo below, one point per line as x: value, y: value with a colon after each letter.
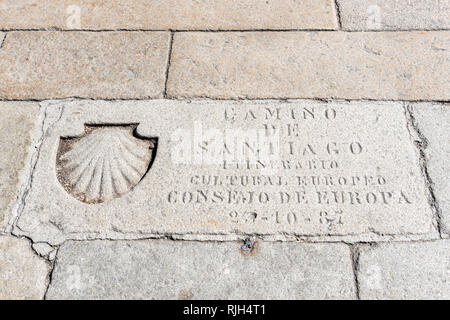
x: 18, y: 121
x: 40, y: 65
x: 405, y: 271
x: 168, y: 14
x: 349, y: 65
x: 23, y: 275
x: 321, y: 169
x: 394, y: 14
x: 433, y: 122
x: 194, y: 270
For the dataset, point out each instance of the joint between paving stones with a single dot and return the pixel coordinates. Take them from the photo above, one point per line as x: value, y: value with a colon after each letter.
x: 354, y: 255
x: 208, y: 238
x: 3, y: 41
x: 34, y: 158
x: 50, y: 275
x: 227, y: 30
x: 421, y: 143
x: 207, y: 98
x: 26, y: 185
x: 337, y: 9
x: 35, y: 149
x: 169, y: 59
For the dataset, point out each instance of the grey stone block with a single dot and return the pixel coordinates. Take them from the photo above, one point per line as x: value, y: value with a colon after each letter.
x: 159, y: 269
x: 405, y: 271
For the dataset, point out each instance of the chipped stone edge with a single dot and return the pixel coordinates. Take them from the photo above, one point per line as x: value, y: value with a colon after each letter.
x: 421, y: 143
x: 44, y: 250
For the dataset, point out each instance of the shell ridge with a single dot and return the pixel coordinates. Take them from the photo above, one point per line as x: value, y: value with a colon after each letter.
x: 83, y: 155
x: 107, y: 189
x: 144, y: 151
x: 120, y: 182
x: 78, y: 169
x: 135, y: 163
x: 82, y: 183
x: 128, y: 172
x: 81, y: 148
x: 93, y: 187
x: 125, y: 163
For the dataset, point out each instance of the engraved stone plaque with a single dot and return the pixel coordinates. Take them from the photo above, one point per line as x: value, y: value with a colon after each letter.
x: 225, y: 169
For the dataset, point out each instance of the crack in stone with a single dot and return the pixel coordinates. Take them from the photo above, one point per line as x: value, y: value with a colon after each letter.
x: 338, y: 14
x: 421, y: 143
x: 48, y: 252
x: 3, y: 41
x: 51, y: 264
x: 50, y: 274
x: 169, y: 61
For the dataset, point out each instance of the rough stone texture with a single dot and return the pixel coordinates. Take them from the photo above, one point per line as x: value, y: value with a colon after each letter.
x: 394, y: 14
x: 40, y: 65
x: 18, y: 121
x: 335, y: 169
x: 168, y: 14
x: 180, y: 270
x: 377, y: 65
x: 433, y: 121
x: 405, y: 271
x: 23, y: 275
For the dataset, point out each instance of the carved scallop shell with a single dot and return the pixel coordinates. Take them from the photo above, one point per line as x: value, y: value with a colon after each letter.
x: 105, y: 163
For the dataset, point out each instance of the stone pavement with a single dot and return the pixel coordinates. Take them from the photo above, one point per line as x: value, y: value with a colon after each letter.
x: 144, y: 141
